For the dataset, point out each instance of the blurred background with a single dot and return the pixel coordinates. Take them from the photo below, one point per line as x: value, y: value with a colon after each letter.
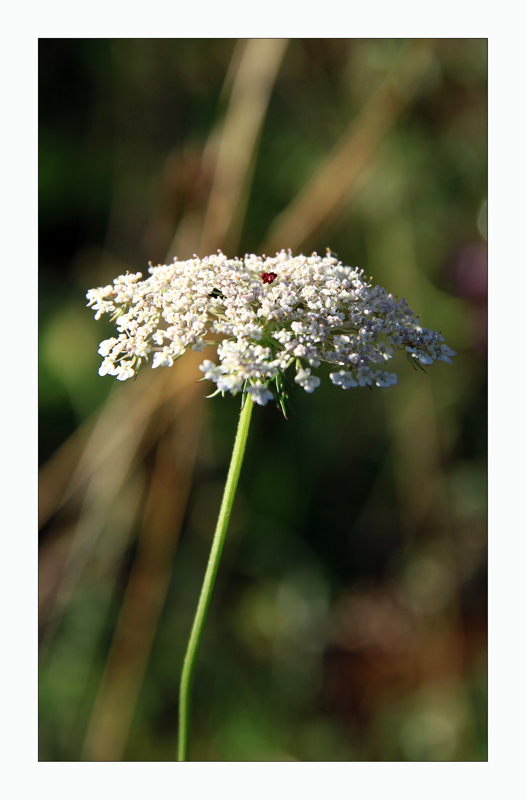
x: 348, y: 621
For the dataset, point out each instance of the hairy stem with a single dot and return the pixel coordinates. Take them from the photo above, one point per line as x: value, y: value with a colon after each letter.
x: 209, y: 580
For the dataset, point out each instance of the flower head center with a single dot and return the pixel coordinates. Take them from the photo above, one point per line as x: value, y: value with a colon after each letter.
x: 268, y: 277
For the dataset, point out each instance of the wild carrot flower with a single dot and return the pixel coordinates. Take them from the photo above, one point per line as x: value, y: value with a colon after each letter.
x: 263, y: 315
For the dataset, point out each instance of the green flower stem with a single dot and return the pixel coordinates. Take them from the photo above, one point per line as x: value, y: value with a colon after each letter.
x: 209, y: 580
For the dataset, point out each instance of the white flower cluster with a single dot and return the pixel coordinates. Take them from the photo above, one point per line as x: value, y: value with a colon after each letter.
x: 263, y: 315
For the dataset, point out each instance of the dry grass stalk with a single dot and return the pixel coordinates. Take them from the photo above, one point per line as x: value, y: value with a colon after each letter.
x: 324, y: 196
x: 147, y: 585
x: 251, y: 88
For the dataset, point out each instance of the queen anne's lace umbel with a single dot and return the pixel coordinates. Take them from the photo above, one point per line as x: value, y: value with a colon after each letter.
x: 263, y: 315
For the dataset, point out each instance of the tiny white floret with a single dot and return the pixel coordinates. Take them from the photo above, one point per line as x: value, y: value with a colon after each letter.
x: 260, y: 394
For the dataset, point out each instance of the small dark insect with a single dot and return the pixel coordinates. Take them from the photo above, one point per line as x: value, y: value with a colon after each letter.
x: 268, y: 277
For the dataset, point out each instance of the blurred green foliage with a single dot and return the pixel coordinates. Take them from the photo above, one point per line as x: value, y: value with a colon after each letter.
x: 349, y: 618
